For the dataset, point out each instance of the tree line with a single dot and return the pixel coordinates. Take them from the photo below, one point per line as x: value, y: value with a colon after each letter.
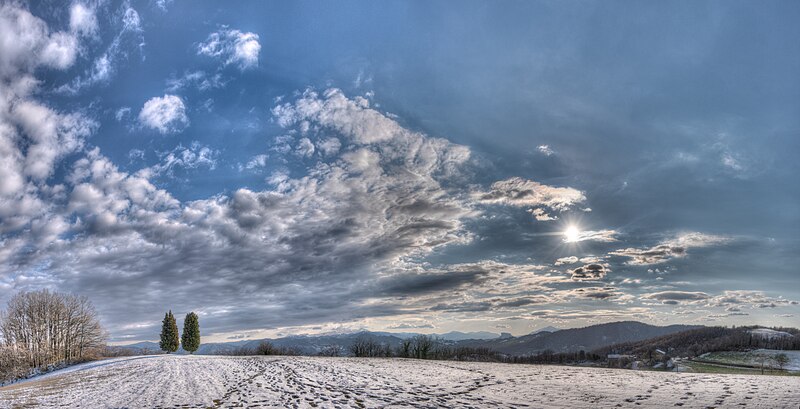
x: 171, y: 340
x: 366, y: 346
x: 43, y: 329
x: 696, y: 342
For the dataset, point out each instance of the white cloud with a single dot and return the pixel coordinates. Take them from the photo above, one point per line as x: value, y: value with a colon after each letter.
x: 677, y: 297
x: 131, y: 20
x: 545, y: 150
x: 566, y: 260
x: 51, y: 135
x: 33, y: 136
x: 329, y: 146
x: 104, y: 66
x: 589, y: 272
x: 676, y: 247
x: 523, y: 193
x: 166, y: 114
x: 258, y: 161
x: 193, y: 157
x: 27, y: 43
x: 542, y: 215
x: 606, y: 236
x: 754, y: 299
x: 305, y: 148
x: 196, y: 79
x: 122, y: 113
x: 233, y: 46
x: 162, y: 4
x: 82, y: 19
x: 361, y: 210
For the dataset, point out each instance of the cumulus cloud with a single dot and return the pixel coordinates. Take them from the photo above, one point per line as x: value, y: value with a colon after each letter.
x: 733, y: 300
x: 589, y: 272
x: 165, y: 114
x: 357, y: 213
x: 232, y: 46
x: 305, y: 148
x: 82, y: 19
x: 674, y: 248
x: 33, y: 136
x: 258, y: 161
x: 329, y: 146
x: 542, y: 215
x: 28, y: 43
x: 341, y: 233
x: 566, y: 260
x: 520, y: 192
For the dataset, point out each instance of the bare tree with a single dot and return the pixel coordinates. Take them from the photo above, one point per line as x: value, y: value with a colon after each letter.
x: 422, y: 346
x: 404, y: 350
x: 266, y: 348
x: 331, y: 350
x: 366, y: 346
x: 50, y: 328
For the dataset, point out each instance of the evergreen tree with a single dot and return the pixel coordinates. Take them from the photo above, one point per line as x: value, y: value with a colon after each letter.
x: 169, y: 334
x: 191, y: 333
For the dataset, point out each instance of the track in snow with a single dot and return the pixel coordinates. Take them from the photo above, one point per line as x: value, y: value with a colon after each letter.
x: 305, y: 382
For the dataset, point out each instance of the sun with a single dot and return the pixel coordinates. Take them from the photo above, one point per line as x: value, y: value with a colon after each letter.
x: 572, y: 234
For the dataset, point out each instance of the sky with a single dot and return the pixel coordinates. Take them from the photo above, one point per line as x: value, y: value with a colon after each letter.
x: 417, y: 166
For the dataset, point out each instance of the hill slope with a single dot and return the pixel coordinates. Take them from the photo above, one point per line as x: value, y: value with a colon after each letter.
x: 576, y: 339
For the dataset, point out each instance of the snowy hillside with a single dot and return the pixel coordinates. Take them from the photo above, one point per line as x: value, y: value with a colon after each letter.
x: 214, y: 381
x: 770, y: 333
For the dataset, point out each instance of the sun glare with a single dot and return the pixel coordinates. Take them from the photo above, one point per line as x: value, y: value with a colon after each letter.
x: 572, y: 234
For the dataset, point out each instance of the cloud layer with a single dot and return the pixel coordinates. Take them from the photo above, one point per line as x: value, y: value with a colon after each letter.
x: 143, y: 173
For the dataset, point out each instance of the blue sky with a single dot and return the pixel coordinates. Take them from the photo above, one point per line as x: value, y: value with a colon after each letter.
x: 330, y: 166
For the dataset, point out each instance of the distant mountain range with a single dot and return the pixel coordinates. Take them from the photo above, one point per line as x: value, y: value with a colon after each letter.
x: 576, y: 339
x: 548, y: 338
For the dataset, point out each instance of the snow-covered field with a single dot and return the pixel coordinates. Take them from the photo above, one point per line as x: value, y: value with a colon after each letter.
x: 216, y: 381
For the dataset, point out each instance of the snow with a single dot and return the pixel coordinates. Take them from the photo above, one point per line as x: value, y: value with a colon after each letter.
x: 794, y: 357
x: 769, y: 333
x: 277, y: 381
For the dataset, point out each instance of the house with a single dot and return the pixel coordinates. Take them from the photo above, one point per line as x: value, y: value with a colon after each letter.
x: 619, y: 360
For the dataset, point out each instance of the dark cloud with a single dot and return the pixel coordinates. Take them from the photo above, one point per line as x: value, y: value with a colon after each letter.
x: 592, y: 271
x: 669, y: 249
x: 677, y: 297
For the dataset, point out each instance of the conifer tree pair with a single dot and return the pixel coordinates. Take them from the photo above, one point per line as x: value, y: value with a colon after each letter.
x: 170, y: 340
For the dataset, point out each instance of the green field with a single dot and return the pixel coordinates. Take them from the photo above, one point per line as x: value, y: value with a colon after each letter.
x: 745, y: 362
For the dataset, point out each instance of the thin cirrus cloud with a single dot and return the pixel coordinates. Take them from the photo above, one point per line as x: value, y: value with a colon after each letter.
x: 593, y: 235
x: 676, y: 247
x: 128, y: 38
